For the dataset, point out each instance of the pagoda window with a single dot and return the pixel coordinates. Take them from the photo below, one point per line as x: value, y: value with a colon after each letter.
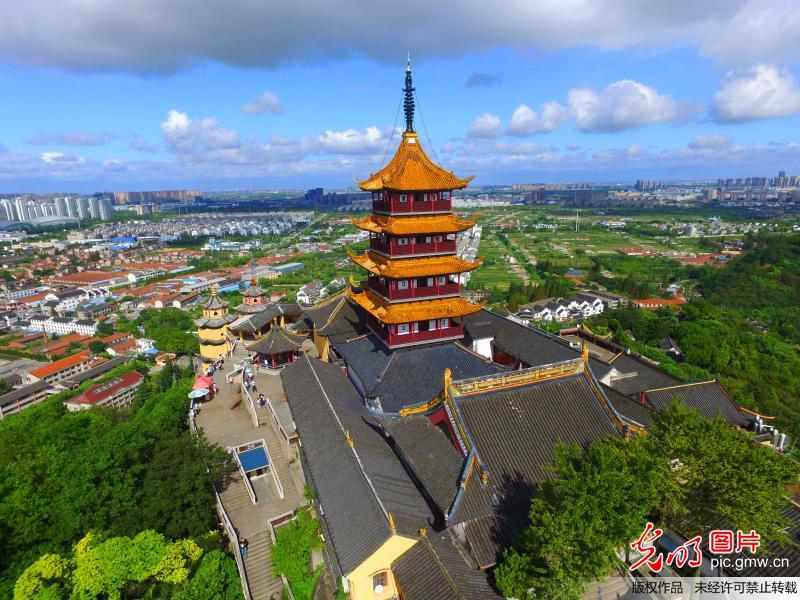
x: 403, y: 197
x: 402, y: 241
x: 439, y: 238
x: 402, y: 284
x: 429, y: 282
x: 402, y: 329
x: 444, y: 323
x: 432, y: 324
x: 451, y: 236
x: 442, y: 280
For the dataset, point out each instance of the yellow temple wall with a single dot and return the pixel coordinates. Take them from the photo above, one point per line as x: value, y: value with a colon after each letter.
x: 360, y: 579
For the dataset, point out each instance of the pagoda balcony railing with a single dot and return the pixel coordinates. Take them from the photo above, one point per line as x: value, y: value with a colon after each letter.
x: 401, y: 339
x: 394, y: 250
x: 414, y: 293
x: 411, y: 206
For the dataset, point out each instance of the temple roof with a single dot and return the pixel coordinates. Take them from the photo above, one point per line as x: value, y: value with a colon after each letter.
x: 215, y: 302
x: 706, y: 396
x: 254, y: 320
x: 359, y: 484
x: 411, y: 170
x: 403, y: 268
x: 408, y: 312
x: 214, y: 322
x: 253, y: 291
x: 413, y: 224
x: 381, y: 374
x: 277, y: 341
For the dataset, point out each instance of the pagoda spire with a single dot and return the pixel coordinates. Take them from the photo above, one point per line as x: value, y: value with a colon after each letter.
x: 408, y: 103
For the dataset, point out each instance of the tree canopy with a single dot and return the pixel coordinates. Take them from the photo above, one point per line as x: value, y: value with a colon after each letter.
x: 595, y: 502
x: 145, y: 565
x: 689, y: 473
x: 63, y: 474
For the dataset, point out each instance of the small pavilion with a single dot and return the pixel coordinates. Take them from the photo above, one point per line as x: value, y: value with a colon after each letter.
x: 278, y: 347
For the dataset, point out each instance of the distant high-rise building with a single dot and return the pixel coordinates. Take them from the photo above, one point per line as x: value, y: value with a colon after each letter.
x: 9, y: 210
x: 61, y: 207
x: 83, y: 208
x: 22, y: 210
x: 106, y: 209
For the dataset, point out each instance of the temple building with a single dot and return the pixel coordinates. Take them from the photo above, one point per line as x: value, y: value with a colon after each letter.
x: 278, y: 347
x: 412, y: 293
x: 426, y: 422
x: 256, y: 314
x: 212, y: 329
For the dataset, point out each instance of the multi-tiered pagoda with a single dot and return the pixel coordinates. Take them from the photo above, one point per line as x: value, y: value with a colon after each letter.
x: 413, y: 291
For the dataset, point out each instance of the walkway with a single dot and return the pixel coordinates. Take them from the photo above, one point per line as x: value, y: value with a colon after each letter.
x: 227, y: 422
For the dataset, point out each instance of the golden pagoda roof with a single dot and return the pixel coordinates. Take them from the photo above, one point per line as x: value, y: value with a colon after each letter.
x: 413, y: 225
x: 411, y: 170
x: 407, y: 312
x: 403, y: 268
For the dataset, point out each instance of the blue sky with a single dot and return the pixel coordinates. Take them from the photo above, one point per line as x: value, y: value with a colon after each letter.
x: 142, y: 95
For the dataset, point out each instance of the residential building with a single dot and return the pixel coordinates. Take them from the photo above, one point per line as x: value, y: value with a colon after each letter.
x: 60, y: 369
x: 118, y: 392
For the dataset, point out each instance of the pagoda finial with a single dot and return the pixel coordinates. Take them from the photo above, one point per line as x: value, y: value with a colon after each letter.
x: 214, y: 290
x: 408, y: 103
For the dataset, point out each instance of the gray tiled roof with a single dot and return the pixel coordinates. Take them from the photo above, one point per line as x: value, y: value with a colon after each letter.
x: 628, y: 408
x: 353, y: 516
x: 408, y: 376
x: 638, y: 376
x: 532, y: 346
x: 515, y: 432
x: 352, y: 490
x: 707, y: 396
x: 434, y: 569
x: 22, y: 392
x: 430, y: 455
x: 347, y: 323
x: 277, y: 341
x: 319, y: 314
x: 255, y: 321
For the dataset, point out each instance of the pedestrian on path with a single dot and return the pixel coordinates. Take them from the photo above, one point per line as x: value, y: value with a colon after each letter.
x: 243, y: 547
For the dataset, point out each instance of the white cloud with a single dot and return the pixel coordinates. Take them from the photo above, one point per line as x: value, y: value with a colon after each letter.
x: 185, y: 135
x: 61, y: 157
x: 710, y: 142
x: 485, y: 126
x: 624, y: 105
x: 762, y: 92
x: 162, y: 35
x: 265, y: 103
x: 351, y: 141
x: 70, y: 138
x: 526, y: 121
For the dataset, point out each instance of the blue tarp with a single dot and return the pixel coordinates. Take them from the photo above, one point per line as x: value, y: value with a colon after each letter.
x: 253, y: 459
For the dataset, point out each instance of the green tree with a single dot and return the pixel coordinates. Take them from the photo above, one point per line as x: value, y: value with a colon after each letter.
x: 719, y: 475
x: 216, y: 578
x: 595, y: 503
x: 105, y: 328
x: 48, y: 573
x: 97, y: 347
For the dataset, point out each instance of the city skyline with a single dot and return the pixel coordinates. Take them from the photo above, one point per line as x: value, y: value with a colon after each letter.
x: 541, y: 93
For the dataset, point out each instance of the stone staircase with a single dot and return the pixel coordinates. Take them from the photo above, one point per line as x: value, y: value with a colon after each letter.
x: 250, y: 520
x: 258, y: 564
x: 233, y: 493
